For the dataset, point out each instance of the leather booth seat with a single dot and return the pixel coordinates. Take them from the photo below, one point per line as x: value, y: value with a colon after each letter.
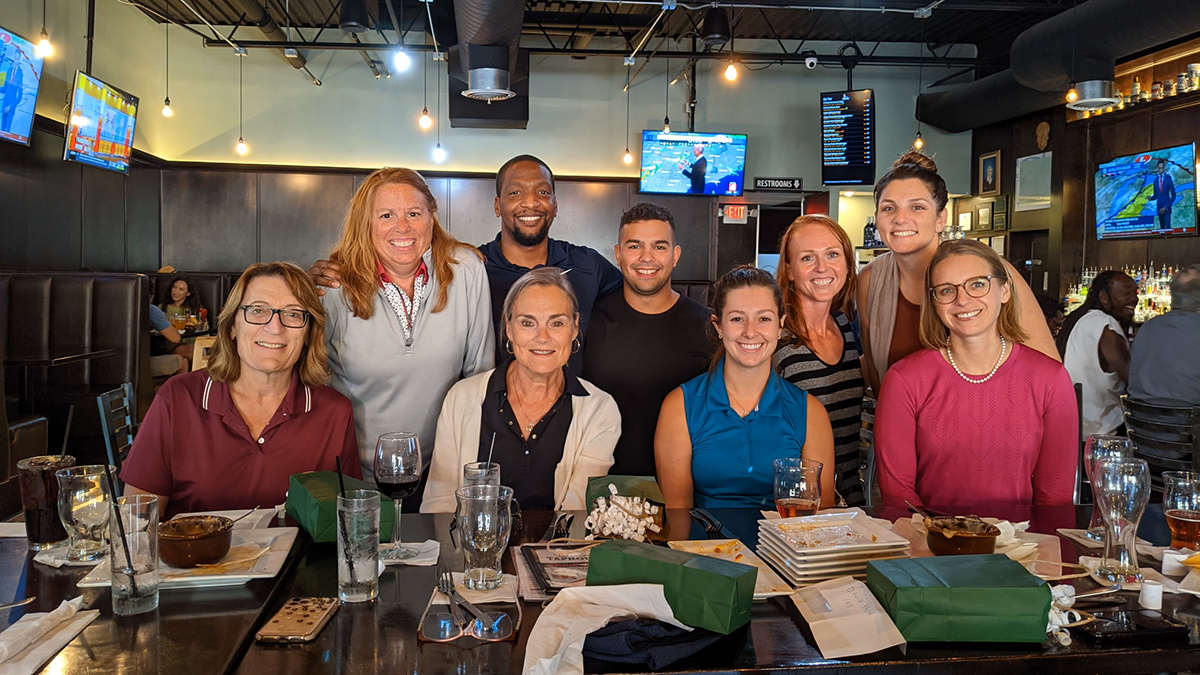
x: 696, y: 290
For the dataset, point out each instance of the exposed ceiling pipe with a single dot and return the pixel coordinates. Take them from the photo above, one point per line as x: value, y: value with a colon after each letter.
x: 258, y: 17
x: 989, y: 100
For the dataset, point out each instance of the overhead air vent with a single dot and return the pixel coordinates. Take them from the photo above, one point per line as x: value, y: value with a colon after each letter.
x: 1095, y: 95
x: 489, y: 77
x: 715, y: 30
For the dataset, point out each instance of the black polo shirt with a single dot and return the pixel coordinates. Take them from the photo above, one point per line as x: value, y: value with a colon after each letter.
x: 527, y: 466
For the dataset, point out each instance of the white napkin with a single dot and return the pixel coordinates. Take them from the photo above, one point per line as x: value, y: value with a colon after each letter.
x: 846, y: 619
x: 12, y: 529
x: 556, y: 641
x: 427, y: 553
x: 57, y: 557
x: 1080, y: 538
x: 1148, y: 573
x: 37, y: 637
x: 506, y: 592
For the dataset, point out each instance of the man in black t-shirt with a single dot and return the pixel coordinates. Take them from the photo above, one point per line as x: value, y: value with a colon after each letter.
x: 646, y: 340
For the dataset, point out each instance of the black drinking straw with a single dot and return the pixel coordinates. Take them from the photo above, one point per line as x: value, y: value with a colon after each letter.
x: 121, y: 528
x: 67, y: 435
x: 342, y: 522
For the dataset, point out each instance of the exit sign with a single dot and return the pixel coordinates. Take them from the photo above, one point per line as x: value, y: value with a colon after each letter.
x: 734, y: 213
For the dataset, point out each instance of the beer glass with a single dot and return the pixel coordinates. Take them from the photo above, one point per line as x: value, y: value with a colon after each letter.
x: 797, y: 486
x: 1181, y: 506
x: 484, y: 522
x: 1122, y: 490
x: 83, y: 506
x: 1100, y: 447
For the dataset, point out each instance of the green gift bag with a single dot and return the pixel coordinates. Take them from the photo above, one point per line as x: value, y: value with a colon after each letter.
x: 703, y: 592
x: 312, y: 502
x: 962, y: 598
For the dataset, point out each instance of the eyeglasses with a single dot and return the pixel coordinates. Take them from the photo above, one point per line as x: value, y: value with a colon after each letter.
x: 261, y: 315
x: 976, y: 287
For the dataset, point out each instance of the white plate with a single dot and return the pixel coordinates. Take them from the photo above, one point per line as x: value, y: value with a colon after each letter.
x: 861, y: 533
x: 277, y: 539
x: 803, y: 566
x: 799, y: 581
x: 854, y: 553
x: 767, y: 585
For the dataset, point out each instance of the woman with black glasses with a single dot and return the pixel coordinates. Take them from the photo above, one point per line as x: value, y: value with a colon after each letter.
x: 229, y: 437
x: 976, y: 417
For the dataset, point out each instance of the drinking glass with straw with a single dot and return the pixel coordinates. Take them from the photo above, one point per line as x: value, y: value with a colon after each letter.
x: 357, y: 543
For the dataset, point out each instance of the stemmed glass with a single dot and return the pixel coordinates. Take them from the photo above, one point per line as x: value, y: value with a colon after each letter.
x: 1122, y: 490
x: 398, y: 473
x: 1096, y: 449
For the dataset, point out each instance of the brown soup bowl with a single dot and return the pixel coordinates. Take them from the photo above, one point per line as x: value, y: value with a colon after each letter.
x: 194, y: 540
x: 958, y: 535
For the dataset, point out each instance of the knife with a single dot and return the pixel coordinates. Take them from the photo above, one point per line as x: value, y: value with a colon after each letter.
x: 18, y: 603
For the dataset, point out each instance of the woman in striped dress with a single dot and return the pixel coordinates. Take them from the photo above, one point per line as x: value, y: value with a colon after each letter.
x: 817, y: 274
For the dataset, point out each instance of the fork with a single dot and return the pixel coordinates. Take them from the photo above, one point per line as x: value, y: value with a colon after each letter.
x: 562, y: 527
x: 712, y: 529
x: 445, y: 584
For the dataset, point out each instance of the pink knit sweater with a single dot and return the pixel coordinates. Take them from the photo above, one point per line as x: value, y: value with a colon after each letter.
x: 943, y: 441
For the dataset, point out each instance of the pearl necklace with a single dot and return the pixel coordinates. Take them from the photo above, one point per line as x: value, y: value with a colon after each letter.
x: 996, y: 367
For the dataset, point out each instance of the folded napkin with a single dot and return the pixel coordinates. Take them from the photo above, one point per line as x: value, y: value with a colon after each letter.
x: 556, y: 641
x: 1148, y: 573
x: 57, y: 557
x: 12, y: 529
x: 646, y: 642
x: 33, y: 640
x: 1080, y: 538
x: 427, y: 553
x: 506, y: 592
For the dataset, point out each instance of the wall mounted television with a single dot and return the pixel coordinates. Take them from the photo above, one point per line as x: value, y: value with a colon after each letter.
x: 692, y: 163
x: 848, y: 137
x: 100, y: 128
x: 1147, y: 194
x: 20, y: 79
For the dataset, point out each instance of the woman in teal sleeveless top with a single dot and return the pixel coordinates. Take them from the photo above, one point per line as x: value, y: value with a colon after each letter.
x: 719, y: 433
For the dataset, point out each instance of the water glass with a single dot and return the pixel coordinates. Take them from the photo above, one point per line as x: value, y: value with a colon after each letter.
x: 1097, y: 448
x: 484, y: 520
x: 481, y: 473
x: 358, y: 545
x: 797, y: 486
x: 1181, y: 506
x: 135, y: 562
x: 39, y: 499
x: 398, y: 474
x: 1122, y: 490
x: 83, y: 506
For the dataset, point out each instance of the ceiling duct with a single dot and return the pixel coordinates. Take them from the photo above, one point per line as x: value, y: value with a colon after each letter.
x: 489, y: 35
x: 258, y: 16
x: 1081, y: 45
x: 353, y: 16
x: 715, y: 30
x: 1094, y: 95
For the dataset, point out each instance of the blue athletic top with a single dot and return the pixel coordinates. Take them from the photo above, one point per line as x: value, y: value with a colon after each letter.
x: 732, y: 456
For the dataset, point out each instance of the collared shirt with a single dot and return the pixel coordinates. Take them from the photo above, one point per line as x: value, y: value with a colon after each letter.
x: 733, y: 456
x: 591, y: 275
x: 195, y: 448
x: 527, y: 466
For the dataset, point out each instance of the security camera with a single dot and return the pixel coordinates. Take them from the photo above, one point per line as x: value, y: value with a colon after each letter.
x: 810, y: 58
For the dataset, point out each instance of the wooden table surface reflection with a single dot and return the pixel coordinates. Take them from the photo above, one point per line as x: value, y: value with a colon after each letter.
x: 211, y: 630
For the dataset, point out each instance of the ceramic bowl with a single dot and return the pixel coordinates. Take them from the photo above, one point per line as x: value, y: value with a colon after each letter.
x: 959, y: 535
x: 194, y: 540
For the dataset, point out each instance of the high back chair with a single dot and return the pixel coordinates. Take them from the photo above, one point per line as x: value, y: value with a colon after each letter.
x: 118, y: 420
x: 1167, y: 437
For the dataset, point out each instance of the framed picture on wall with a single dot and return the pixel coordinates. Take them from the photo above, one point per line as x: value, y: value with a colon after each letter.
x: 989, y: 174
x: 997, y: 244
x: 999, y: 220
x: 964, y: 221
x: 1033, y: 182
x: 1000, y: 205
x: 985, y: 216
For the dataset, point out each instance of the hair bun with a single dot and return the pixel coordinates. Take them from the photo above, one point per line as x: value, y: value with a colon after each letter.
x: 917, y: 159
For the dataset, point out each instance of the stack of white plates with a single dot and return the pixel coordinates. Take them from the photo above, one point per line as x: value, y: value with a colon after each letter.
x: 809, y: 549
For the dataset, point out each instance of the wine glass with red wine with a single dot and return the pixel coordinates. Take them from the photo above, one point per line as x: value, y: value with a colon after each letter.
x: 398, y: 473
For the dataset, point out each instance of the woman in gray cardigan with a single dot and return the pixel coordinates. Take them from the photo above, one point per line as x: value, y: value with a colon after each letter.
x: 411, y: 315
x: 548, y: 430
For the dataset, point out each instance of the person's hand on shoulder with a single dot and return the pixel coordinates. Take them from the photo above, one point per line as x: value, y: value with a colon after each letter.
x: 325, y: 274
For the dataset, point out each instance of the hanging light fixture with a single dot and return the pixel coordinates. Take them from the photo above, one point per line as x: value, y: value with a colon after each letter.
x: 919, y: 142
x: 43, y: 48
x: 241, y: 146
x: 166, y: 111
x: 401, y: 60
x: 667, y: 89
x: 439, y: 153
x: 628, y: 157
x: 1072, y: 95
x: 731, y: 72
x: 425, y: 121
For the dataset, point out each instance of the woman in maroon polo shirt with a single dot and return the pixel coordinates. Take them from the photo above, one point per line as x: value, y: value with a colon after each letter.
x: 230, y: 437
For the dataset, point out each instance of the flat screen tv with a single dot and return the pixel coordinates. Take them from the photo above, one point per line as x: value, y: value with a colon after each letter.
x: 848, y: 137
x: 692, y: 163
x: 1147, y: 194
x: 100, y: 129
x: 20, y: 78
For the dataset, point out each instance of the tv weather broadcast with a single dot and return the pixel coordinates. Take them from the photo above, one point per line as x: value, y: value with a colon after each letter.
x: 20, y: 76
x: 101, y: 125
x: 692, y: 163
x: 1152, y: 193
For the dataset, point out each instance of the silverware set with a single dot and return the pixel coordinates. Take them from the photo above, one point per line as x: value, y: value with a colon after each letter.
x: 486, y: 626
x: 713, y: 529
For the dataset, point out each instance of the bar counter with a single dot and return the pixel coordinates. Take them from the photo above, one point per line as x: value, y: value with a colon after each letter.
x: 203, y: 631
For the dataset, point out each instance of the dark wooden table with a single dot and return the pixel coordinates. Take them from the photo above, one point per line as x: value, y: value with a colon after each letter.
x: 203, y: 631
x: 59, y: 356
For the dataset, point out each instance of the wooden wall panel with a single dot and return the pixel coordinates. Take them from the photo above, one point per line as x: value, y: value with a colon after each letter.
x: 103, y: 214
x: 143, y: 219
x: 42, y: 222
x: 301, y: 214
x: 209, y: 220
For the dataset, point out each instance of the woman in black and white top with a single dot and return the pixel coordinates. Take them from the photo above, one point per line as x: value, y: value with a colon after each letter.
x: 820, y: 355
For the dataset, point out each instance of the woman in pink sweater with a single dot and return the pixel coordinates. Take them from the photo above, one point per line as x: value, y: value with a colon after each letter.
x: 976, y: 417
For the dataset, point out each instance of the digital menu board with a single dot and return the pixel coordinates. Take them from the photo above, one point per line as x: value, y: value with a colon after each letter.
x: 848, y: 137
x: 100, y: 129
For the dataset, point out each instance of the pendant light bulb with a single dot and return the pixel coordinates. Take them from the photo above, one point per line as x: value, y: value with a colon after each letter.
x: 402, y: 60
x: 439, y: 153
x: 242, y: 148
x: 167, y: 112
x: 44, y: 49
x: 666, y: 125
x: 425, y: 121
x: 731, y: 72
x: 1072, y: 95
x: 628, y: 158
x: 919, y: 142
